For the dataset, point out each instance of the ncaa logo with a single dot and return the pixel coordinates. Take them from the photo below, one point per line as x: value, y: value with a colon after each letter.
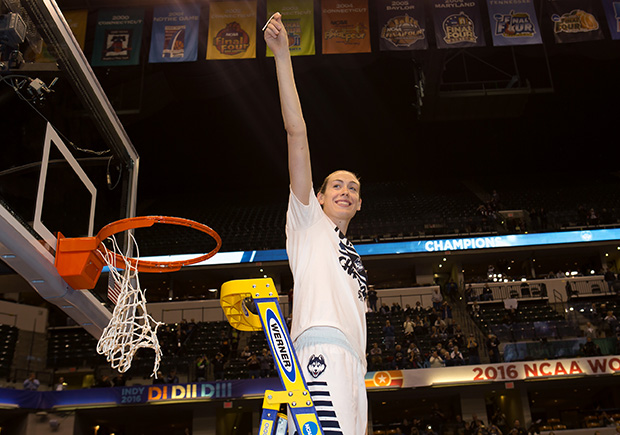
x: 281, y: 346
x: 310, y: 428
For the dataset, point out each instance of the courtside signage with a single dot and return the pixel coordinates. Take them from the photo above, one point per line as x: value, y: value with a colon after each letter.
x: 420, y: 246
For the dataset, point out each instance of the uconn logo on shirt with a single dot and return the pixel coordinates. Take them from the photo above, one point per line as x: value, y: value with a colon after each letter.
x: 352, y: 264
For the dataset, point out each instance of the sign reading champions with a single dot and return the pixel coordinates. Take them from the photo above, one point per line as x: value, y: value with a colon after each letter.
x: 454, y: 244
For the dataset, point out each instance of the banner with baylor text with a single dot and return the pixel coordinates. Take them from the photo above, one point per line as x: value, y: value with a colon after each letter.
x: 402, y: 25
x: 345, y: 26
x: 298, y: 18
x: 118, y: 37
x: 513, y: 22
x: 232, y: 30
x: 612, y: 12
x: 175, y: 33
x: 458, y: 24
x: 574, y: 20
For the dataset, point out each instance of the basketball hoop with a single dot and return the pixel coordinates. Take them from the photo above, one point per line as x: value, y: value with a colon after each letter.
x: 80, y: 262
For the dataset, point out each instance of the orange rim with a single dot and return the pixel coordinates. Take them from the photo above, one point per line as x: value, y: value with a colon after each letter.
x: 148, y: 221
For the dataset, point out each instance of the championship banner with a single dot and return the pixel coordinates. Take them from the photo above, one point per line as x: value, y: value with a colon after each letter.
x: 513, y: 22
x: 175, y: 34
x: 77, y: 22
x: 458, y: 24
x: 402, y: 25
x: 118, y: 36
x: 612, y: 12
x: 574, y: 21
x: 232, y: 30
x: 345, y: 26
x: 298, y: 18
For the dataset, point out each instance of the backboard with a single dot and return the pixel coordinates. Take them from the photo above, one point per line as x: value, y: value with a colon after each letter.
x: 67, y: 163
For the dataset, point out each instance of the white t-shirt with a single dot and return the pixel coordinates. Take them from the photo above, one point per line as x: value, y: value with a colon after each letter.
x: 330, y: 283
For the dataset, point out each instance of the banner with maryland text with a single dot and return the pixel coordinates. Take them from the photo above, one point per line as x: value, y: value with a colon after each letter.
x: 612, y: 12
x: 174, y: 37
x: 232, y: 30
x: 458, y: 24
x: 513, y: 22
x: 402, y: 25
x: 118, y: 37
x: 574, y: 20
x: 345, y: 26
x: 298, y: 18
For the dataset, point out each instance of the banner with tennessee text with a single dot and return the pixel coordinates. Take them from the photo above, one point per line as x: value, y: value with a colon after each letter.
x: 458, y: 24
x: 232, y: 30
x: 574, y: 20
x: 345, y: 26
x: 612, y: 12
x: 513, y: 22
x: 298, y: 18
x: 402, y: 25
x: 118, y: 37
x: 174, y: 37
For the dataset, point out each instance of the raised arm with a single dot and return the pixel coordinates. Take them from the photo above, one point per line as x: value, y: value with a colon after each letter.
x: 300, y: 171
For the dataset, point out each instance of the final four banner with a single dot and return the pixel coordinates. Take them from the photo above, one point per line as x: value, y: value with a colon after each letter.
x: 458, y: 24
x: 175, y: 34
x: 402, y: 25
x: 345, y: 26
x: 232, y: 30
x: 612, y: 12
x: 513, y: 22
x: 118, y: 37
x: 298, y: 17
x: 574, y: 20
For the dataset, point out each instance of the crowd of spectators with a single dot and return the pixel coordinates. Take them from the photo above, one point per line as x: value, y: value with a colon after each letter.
x: 418, y: 337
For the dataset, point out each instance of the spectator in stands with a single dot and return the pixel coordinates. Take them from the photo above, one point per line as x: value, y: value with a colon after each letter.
x: 265, y: 363
x: 245, y: 353
x: 398, y: 362
x: 435, y: 360
x: 452, y: 290
x: 419, y: 328
x: 590, y: 348
x: 492, y: 344
x: 414, y: 357
x: 458, y: 335
x: 473, y: 350
x: 253, y: 365
x: 487, y: 293
x: 61, y: 385
x: 457, y: 357
x: 446, y: 313
x: 498, y: 419
x: 389, y: 336
x: 475, y: 424
x: 517, y: 429
x: 119, y: 380
x: 436, y: 298
x: 376, y: 360
x: 590, y: 331
x: 475, y: 309
x: 437, y: 418
x: 611, y: 323
x: 592, y: 217
x: 202, y: 366
x: 459, y: 425
x: 104, y: 382
x: 396, y: 308
x: 384, y: 309
x: 218, y: 366
x: 418, y: 310
x: 372, y: 298
x: 609, y: 277
x: 470, y: 294
x: 408, y: 328
x: 447, y: 358
x: 159, y: 379
x: 31, y: 383
x: 171, y: 377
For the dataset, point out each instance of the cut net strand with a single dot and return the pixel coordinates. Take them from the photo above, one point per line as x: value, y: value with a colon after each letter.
x: 131, y: 327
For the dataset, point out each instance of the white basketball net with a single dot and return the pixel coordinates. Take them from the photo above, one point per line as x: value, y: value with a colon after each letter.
x: 130, y: 327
